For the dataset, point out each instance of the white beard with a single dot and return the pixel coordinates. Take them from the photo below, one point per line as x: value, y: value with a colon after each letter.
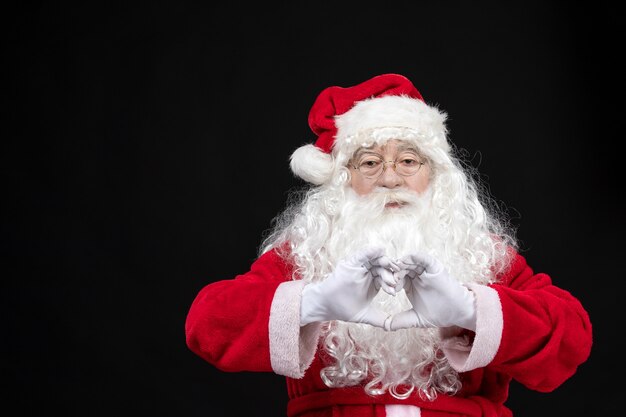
x: 448, y: 222
x: 365, y: 221
x: 409, y: 356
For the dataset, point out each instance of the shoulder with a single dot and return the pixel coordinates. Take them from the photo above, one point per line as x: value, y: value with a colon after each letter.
x: 515, y: 266
x: 520, y: 275
x: 274, y: 259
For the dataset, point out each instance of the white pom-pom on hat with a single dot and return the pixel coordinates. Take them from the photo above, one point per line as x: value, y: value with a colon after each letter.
x: 311, y: 164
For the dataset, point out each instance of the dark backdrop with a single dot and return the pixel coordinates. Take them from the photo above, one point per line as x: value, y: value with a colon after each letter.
x: 145, y: 152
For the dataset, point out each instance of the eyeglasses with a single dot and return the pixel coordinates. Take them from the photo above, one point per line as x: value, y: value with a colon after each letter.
x: 371, y: 166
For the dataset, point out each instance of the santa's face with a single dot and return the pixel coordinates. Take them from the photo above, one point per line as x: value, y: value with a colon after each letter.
x: 389, y: 157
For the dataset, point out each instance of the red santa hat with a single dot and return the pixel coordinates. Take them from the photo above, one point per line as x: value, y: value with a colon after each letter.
x: 384, y: 107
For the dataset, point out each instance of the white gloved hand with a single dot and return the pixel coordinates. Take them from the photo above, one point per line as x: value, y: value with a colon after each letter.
x: 438, y: 299
x: 346, y: 294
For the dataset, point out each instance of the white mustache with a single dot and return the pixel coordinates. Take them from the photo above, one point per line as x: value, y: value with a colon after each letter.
x: 383, y: 196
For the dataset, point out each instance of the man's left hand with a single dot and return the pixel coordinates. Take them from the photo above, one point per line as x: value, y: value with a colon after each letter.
x: 438, y: 299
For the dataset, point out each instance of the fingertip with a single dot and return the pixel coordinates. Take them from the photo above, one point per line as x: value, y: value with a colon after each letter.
x: 367, y: 254
x: 376, y: 249
x: 394, y: 265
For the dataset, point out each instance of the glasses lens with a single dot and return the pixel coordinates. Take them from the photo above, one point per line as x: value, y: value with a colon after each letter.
x: 371, y: 167
x: 408, y: 166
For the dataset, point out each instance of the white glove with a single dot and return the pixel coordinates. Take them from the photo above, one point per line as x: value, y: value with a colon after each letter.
x: 346, y: 293
x: 438, y: 299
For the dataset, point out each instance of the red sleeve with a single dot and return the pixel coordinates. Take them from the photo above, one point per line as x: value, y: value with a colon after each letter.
x: 227, y: 323
x: 547, y: 332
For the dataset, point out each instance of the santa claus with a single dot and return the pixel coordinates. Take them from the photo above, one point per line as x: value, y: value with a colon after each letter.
x: 392, y: 286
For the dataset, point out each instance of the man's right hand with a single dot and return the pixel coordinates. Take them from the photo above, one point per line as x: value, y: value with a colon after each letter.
x: 346, y: 294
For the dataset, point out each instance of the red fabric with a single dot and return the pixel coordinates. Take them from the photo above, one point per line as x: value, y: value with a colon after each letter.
x: 546, y: 336
x: 231, y: 331
x: 334, y: 101
x: 483, y: 394
x: 353, y: 397
x: 547, y: 332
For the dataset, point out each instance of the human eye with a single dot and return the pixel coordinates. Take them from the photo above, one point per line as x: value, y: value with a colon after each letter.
x: 370, y: 162
x: 408, y: 160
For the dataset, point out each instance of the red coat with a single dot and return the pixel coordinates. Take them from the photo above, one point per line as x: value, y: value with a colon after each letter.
x: 527, y: 329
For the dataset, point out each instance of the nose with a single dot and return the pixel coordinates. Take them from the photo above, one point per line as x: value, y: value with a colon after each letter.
x: 390, y: 178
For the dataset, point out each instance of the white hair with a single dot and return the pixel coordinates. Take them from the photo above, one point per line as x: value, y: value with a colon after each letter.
x: 455, y: 220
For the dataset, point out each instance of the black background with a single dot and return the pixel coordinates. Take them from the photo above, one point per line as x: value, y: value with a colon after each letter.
x: 145, y: 152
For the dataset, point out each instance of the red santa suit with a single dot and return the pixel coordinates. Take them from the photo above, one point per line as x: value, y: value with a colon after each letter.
x: 527, y: 329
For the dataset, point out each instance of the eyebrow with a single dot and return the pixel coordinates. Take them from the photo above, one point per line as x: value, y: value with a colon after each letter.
x: 407, y: 147
x: 402, y: 147
x: 362, y: 151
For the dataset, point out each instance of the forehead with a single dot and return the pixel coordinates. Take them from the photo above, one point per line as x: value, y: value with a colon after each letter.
x: 393, y: 146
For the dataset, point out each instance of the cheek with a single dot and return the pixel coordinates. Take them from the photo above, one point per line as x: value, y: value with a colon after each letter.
x: 420, y: 182
x: 359, y: 186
